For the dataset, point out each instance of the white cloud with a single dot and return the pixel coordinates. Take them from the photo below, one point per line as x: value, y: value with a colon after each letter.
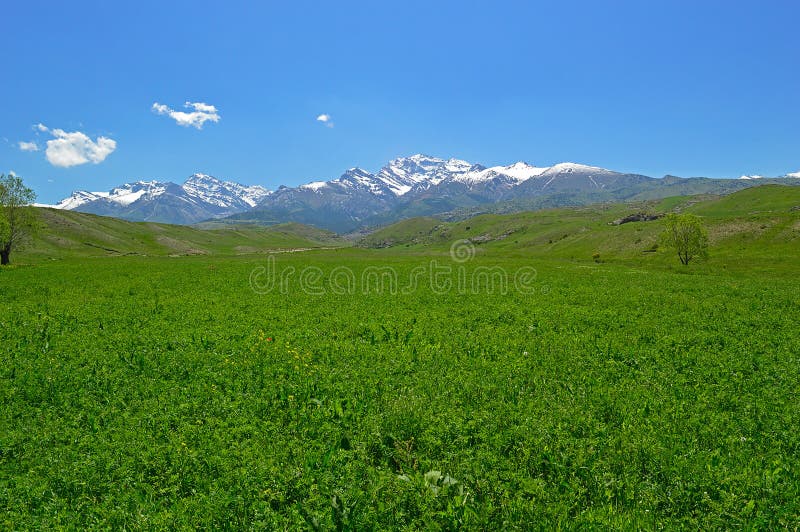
x: 201, y: 114
x: 74, y: 148
x: 325, y: 119
x: 200, y: 106
x: 28, y: 146
x: 41, y: 127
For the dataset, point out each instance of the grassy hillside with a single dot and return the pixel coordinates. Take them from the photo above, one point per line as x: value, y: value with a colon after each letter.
x: 68, y: 233
x: 762, y: 221
x: 760, y: 201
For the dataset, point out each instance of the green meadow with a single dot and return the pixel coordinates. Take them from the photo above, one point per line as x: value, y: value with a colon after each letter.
x: 537, y: 370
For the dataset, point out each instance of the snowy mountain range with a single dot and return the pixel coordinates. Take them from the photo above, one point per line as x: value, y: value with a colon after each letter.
x: 406, y: 187
x: 200, y: 197
x: 424, y: 185
x: 421, y: 185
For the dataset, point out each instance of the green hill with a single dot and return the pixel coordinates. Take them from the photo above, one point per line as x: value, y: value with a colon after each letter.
x: 758, y: 222
x: 763, y: 201
x: 68, y: 233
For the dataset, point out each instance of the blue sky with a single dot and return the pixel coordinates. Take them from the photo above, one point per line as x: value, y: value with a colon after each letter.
x: 657, y: 87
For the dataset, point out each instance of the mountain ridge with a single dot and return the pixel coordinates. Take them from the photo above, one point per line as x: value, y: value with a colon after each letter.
x: 200, y: 197
x: 421, y: 185
x: 417, y: 185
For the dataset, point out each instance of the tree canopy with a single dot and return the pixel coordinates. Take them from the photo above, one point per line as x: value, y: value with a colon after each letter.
x: 687, y: 235
x: 17, y: 217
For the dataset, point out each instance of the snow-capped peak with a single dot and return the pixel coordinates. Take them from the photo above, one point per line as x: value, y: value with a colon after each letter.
x: 78, y: 198
x: 203, y: 180
x: 223, y: 193
x: 315, y: 185
x: 123, y: 195
x: 131, y: 192
x: 417, y: 158
x: 353, y: 178
x: 517, y: 172
x: 420, y: 171
x: 356, y: 171
x: 795, y: 175
x: 752, y: 177
x: 360, y: 179
x: 569, y: 168
x: 521, y: 171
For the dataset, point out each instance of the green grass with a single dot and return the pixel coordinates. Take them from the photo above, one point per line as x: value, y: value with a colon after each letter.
x: 152, y: 392
x: 74, y: 234
x: 758, y: 222
x: 769, y: 200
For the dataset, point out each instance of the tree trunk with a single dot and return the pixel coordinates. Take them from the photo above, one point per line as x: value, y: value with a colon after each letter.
x: 4, y: 256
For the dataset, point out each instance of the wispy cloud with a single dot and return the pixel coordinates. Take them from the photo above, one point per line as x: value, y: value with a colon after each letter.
x: 74, y: 148
x: 201, y: 113
x: 28, y: 146
x: 325, y: 119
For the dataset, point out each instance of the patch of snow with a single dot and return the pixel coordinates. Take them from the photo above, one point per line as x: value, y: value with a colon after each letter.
x: 399, y: 190
x: 457, y: 165
x: 548, y: 182
x: 78, y: 198
x: 129, y: 197
x: 523, y: 171
x: 315, y: 185
x: 131, y: 192
x: 518, y: 172
x: 253, y: 195
x: 752, y: 177
x: 569, y: 168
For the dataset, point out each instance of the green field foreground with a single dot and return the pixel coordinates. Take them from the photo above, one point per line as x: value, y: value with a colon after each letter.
x: 158, y: 392
x: 142, y: 392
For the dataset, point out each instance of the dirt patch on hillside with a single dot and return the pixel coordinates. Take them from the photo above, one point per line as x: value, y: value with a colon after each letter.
x: 732, y: 229
x: 180, y: 247
x: 189, y: 252
x: 246, y: 250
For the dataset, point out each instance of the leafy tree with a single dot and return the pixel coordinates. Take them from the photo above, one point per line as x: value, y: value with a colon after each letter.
x: 17, y: 217
x: 686, y: 234
x: 4, y: 228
